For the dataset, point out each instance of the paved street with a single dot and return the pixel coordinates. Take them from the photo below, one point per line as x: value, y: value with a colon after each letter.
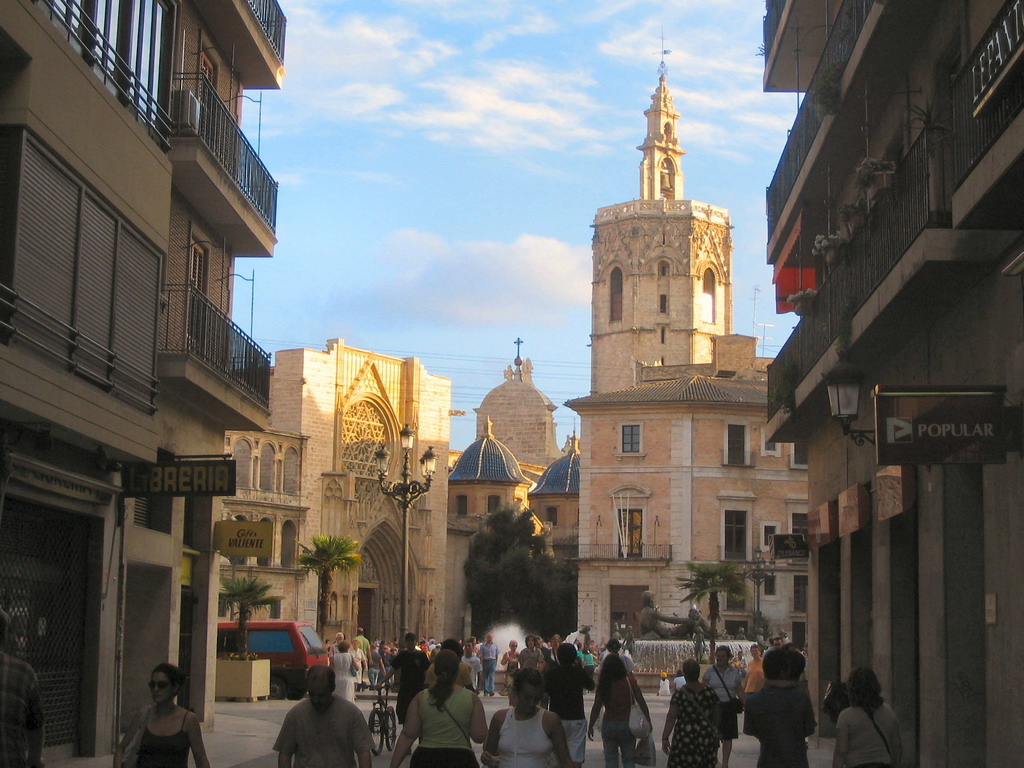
x: 244, y: 735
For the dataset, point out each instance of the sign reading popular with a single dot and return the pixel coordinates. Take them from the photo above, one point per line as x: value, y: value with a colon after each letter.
x: 180, y: 478
x: 940, y: 425
x: 241, y: 538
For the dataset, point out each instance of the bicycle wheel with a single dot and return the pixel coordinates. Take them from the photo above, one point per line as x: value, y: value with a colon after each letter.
x: 392, y: 728
x: 377, y: 724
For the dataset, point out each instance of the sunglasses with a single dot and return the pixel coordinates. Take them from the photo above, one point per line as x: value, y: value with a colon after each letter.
x: 161, y: 684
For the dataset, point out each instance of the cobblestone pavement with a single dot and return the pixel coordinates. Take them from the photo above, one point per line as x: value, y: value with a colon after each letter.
x: 243, y: 736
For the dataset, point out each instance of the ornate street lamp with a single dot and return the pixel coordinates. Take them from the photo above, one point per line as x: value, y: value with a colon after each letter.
x: 404, y: 493
x: 843, y: 385
x: 758, y: 571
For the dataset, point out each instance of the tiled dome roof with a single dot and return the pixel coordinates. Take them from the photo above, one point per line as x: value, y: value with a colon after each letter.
x: 563, y: 475
x: 489, y: 460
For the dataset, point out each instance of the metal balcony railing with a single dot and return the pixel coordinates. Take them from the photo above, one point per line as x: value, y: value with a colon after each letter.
x: 772, y: 18
x: 268, y: 13
x: 615, y: 552
x: 842, y: 38
x: 195, y: 325
x: 897, y: 217
x: 91, y: 43
x: 217, y: 127
x: 972, y: 136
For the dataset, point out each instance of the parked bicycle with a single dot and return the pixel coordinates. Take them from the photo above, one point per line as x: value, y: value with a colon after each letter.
x: 383, y: 723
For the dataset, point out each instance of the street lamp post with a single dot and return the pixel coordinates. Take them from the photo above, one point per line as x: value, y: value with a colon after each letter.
x: 404, y: 493
x: 758, y: 571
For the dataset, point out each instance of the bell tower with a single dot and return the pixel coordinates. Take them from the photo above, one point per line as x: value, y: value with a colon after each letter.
x: 661, y: 170
x: 662, y: 281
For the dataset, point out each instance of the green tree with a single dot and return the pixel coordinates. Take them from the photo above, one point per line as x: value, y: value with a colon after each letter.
x: 708, y: 580
x: 511, y: 577
x: 245, y: 595
x: 329, y: 554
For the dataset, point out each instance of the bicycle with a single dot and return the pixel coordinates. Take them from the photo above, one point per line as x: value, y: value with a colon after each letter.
x: 383, y: 723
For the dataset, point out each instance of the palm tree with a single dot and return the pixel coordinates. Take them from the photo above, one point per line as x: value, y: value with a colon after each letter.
x: 245, y: 595
x: 327, y: 555
x: 707, y: 580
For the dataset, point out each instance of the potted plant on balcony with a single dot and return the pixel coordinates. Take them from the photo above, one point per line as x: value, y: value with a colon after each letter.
x: 873, y: 175
x: 853, y: 215
x: 242, y: 675
x: 827, y: 91
x: 828, y: 247
x: 802, y: 301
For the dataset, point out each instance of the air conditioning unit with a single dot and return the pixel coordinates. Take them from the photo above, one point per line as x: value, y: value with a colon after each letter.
x: 185, y: 109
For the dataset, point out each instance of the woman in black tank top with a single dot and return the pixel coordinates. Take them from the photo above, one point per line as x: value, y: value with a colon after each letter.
x: 161, y: 735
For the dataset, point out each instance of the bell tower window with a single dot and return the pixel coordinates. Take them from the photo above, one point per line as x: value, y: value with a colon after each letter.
x: 615, y: 295
x: 668, y: 178
x: 708, y: 297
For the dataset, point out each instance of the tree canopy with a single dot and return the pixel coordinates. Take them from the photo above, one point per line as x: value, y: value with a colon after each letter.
x: 327, y: 555
x: 511, y: 577
x: 245, y: 595
x: 707, y: 581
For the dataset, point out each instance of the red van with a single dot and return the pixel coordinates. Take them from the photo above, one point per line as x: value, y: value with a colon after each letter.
x: 292, y: 647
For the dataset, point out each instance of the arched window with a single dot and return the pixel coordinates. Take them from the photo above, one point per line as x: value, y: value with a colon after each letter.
x: 291, y: 471
x: 663, y: 269
x: 265, y: 561
x: 267, y: 468
x: 242, y: 452
x: 615, y: 295
x: 288, y: 544
x: 668, y: 178
x: 708, y: 297
x: 668, y: 131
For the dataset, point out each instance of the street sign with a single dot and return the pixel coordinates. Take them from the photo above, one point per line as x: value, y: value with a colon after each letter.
x: 789, y: 546
x: 940, y: 425
x: 180, y: 478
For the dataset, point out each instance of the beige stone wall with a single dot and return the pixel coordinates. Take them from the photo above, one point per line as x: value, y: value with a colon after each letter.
x: 521, y: 417
x: 679, y: 480
x: 638, y: 238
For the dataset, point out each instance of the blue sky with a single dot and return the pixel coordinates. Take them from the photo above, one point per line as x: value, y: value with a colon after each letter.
x: 440, y: 163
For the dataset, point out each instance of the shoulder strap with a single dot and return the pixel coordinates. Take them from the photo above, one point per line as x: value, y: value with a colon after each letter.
x: 727, y: 691
x: 871, y: 717
x: 462, y: 730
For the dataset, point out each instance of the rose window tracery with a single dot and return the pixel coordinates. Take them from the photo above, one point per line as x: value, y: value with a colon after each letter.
x: 362, y: 433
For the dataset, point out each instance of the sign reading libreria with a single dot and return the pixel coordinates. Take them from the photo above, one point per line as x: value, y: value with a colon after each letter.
x: 242, y: 538
x: 998, y: 54
x: 180, y: 478
x: 940, y: 425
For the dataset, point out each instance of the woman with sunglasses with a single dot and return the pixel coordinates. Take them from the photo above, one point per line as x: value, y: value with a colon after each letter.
x: 163, y: 734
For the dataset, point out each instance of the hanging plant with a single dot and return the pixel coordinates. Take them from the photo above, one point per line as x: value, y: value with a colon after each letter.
x: 826, y: 244
x: 869, y: 169
x: 827, y: 91
x: 802, y: 301
x: 853, y: 214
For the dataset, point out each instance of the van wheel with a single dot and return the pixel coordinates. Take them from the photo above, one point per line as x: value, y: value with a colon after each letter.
x: 278, y: 688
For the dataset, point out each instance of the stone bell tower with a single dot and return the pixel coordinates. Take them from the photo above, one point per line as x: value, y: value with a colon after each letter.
x: 662, y: 283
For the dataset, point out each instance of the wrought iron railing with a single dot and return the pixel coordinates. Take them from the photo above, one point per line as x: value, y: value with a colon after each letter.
x: 273, y: 21
x: 842, y: 37
x: 972, y: 136
x: 219, y: 130
x: 615, y: 552
x: 195, y: 325
x: 897, y: 217
x: 772, y: 18
x: 110, y: 67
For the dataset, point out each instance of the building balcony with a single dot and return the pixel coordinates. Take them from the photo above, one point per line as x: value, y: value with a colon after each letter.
x: 903, y: 266
x: 615, y: 552
x: 270, y: 498
x: 794, y: 36
x: 211, y: 362
x: 218, y: 171
x: 253, y: 30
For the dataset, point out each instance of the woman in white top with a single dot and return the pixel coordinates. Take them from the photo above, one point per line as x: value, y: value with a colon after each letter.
x: 525, y: 736
x: 342, y: 662
x: 868, y: 731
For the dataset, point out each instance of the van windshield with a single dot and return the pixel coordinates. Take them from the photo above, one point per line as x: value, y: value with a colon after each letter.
x: 313, y: 642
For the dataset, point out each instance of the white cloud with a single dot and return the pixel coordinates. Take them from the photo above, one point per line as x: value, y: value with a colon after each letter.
x: 423, y: 278
x: 532, y: 24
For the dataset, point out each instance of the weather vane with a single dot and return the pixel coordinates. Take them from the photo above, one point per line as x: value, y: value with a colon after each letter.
x: 663, y: 67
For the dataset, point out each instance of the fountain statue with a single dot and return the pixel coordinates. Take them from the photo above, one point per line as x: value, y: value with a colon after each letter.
x: 655, y: 625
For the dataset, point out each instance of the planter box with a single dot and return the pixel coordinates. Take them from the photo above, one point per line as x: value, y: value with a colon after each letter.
x: 243, y: 679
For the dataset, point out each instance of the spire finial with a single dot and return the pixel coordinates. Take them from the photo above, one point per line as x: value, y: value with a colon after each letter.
x: 518, y: 361
x: 663, y: 67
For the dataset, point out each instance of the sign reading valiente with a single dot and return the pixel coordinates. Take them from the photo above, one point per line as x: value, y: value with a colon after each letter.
x: 940, y: 425
x: 180, y: 478
x: 243, y: 538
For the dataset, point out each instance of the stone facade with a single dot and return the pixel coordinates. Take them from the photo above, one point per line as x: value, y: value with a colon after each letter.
x: 521, y: 416
x: 345, y: 402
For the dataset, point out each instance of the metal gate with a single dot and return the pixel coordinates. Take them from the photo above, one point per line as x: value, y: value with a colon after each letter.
x: 42, y: 586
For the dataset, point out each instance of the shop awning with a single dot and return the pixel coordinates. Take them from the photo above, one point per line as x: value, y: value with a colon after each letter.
x: 791, y: 276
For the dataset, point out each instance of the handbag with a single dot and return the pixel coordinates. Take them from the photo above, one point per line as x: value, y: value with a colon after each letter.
x: 735, y: 706
x: 646, y: 754
x: 639, y: 726
x: 130, y: 757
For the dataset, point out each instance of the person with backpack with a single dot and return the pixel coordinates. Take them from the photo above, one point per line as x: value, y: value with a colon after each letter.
x: 868, y: 731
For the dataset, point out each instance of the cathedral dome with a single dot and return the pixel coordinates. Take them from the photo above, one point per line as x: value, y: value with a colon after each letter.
x: 488, y: 460
x: 563, y: 475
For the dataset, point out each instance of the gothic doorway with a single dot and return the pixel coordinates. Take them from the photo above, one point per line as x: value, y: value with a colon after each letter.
x: 380, y: 577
